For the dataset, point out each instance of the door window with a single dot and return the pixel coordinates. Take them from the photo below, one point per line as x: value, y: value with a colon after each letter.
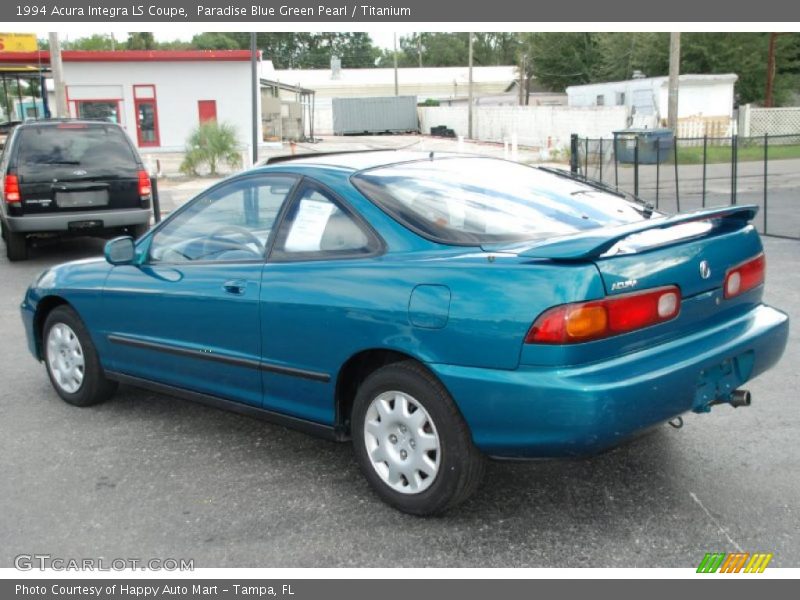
x: 145, y: 107
x: 230, y: 223
x: 146, y: 122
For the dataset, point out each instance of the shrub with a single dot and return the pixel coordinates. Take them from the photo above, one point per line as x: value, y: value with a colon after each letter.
x: 211, y: 144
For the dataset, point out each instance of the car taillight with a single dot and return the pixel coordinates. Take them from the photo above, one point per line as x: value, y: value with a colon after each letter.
x: 11, y: 189
x: 745, y: 276
x: 145, y: 188
x: 597, y: 319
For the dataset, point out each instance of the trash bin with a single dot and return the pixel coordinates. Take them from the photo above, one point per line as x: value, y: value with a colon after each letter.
x: 655, y: 145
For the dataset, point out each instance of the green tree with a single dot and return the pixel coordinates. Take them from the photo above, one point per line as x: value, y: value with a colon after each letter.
x: 141, y: 40
x: 621, y: 54
x: 304, y: 50
x: 558, y: 60
x: 438, y: 49
x: 211, y: 144
x: 96, y: 41
x: 214, y: 41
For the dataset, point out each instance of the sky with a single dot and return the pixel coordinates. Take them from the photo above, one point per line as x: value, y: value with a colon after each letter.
x: 382, y: 39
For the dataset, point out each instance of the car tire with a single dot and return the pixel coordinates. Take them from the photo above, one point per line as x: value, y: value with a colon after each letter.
x: 71, y: 360
x: 404, y: 418
x: 16, y: 246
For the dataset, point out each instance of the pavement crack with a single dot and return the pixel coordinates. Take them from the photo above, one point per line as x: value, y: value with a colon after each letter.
x: 715, y: 522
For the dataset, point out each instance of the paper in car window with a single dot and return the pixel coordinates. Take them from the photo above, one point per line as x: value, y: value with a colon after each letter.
x: 308, y: 226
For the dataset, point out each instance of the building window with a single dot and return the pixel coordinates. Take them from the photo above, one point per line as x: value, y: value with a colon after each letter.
x: 207, y: 110
x: 146, y: 109
x: 104, y: 110
x: 620, y: 98
x: 601, y: 100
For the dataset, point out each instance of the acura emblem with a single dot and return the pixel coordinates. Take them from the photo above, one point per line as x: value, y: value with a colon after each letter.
x: 705, y: 270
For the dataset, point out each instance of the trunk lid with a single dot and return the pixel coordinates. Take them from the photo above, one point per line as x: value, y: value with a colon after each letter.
x: 690, y: 250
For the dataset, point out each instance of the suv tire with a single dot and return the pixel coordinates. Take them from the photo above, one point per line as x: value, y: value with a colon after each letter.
x: 16, y: 246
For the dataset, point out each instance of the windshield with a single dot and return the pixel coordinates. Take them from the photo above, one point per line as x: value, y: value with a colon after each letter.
x: 478, y: 200
x: 94, y: 149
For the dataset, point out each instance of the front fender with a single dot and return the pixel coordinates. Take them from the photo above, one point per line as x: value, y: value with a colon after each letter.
x: 79, y: 284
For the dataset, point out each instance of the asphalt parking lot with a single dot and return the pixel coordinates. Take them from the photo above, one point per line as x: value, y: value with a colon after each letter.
x: 148, y: 476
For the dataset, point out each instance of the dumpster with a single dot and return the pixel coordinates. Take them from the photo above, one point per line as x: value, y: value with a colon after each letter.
x: 655, y: 145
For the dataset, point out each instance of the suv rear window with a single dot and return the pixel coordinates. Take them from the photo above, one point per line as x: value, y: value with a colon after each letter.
x: 468, y: 200
x: 97, y: 149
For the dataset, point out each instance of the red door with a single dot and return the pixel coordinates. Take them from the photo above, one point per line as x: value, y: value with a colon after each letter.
x: 207, y: 109
x: 145, y: 109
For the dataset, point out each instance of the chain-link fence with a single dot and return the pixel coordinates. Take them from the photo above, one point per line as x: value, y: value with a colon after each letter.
x: 684, y: 174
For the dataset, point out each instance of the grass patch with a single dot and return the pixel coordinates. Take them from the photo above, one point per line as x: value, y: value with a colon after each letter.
x: 693, y: 155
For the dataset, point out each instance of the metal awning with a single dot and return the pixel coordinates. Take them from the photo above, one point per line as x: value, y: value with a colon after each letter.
x: 305, y: 96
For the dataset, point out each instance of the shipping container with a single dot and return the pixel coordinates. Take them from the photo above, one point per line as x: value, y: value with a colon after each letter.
x: 391, y: 114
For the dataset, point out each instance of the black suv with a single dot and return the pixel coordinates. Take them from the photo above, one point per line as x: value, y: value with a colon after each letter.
x: 70, y: 177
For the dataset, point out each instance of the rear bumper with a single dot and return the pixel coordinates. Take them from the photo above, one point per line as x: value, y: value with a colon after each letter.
x: 550, y: 411
x: 61, y: 222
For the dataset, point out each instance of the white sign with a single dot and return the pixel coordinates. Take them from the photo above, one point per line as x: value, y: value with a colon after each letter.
x: 308, y: 226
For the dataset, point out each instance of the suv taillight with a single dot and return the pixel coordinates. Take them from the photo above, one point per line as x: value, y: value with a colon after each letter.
x: 145, y: 187
x: 745, y: 276
x: 11, y: 189
x: 597, y: 319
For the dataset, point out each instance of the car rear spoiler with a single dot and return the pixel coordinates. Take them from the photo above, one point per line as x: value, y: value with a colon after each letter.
x: 593, y: 244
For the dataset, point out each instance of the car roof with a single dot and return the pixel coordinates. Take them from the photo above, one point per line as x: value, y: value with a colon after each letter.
x: 52, y: 122
x: 359, y: 160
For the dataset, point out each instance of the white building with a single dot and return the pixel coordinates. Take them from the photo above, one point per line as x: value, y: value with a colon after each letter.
x: 158, y: 96
x: 700, y: 97
x: 436, y: 83
x: 427, y: 82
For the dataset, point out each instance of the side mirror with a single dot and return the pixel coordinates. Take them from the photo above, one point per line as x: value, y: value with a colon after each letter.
x: 120, y: 251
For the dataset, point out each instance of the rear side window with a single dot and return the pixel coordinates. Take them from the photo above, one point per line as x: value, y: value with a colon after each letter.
x: 476, y: 200
x: 96, y: 149
x: 317, y: 227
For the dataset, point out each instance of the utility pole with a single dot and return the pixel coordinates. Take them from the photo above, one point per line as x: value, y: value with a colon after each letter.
x: 419, y: 48
x: 469, y: 95
x: 522, y: 79
x: 674, y: 74
x: 254, y: 83
x: 396, y: 83
x: 57, y: 68
x: 770, y: 91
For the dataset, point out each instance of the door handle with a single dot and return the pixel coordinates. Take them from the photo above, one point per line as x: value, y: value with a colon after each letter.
x: 235, y: 286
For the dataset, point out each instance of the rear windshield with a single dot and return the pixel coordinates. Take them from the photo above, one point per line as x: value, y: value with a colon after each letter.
x: 482, y: 200
x: 96, y: 149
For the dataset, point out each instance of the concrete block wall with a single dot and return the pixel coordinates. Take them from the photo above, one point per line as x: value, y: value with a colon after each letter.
x: 536, y: 126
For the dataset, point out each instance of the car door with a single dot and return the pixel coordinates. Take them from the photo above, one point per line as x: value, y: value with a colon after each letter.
x: 188, y: 315
x: 312, y: 309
